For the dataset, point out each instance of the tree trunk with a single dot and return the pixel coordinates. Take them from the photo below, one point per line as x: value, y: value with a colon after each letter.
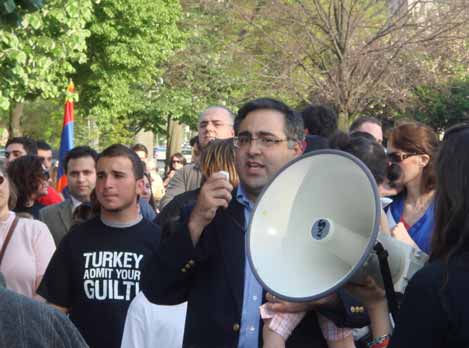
x: 14, y: 124
x: 175, y: 139
x: 343, y: 121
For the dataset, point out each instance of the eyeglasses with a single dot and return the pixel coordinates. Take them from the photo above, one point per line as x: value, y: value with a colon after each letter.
x: 263, y: 141
x: 397, y: 157
x: 176, y: 161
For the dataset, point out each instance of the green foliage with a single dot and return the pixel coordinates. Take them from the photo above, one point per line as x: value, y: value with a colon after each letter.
x: 36, y: 58
x: 129, y: 42
x: 215, y: 67
x: 442, y: 105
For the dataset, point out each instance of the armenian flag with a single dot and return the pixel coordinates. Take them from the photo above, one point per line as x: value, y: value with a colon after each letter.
x: 66, y: 140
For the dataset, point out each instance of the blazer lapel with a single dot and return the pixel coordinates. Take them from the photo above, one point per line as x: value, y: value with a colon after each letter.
x: 65, y: 214
x: 231, y: 236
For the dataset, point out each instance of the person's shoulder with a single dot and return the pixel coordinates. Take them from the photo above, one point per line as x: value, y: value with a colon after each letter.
x: 85, y: 227
x: 33, y: 224
x: 149, y: 228
x: 28, y: 313
x: 431, y: 275
x: 55, y: 208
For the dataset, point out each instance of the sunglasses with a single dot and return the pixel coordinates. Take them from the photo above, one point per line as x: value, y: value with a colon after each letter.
x: 176, y: 161
x: 397, y: 157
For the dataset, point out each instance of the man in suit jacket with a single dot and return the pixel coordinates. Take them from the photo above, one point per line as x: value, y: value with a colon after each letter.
x: 215, y: 122
x: 203, y: 261
x: 80, y: 168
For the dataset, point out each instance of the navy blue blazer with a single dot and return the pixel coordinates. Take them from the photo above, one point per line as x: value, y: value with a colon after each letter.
x: 210, y: 276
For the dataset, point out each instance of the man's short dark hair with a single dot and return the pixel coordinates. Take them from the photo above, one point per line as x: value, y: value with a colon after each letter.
x: 29, y: 144
x: 320, y: 120
x: 362, y: 120
x: 42, y: 145
x: 194, y: 141
x: 140, y: 147
x: 79, y: 152
x: 293, y: 123
x: 119, y: 150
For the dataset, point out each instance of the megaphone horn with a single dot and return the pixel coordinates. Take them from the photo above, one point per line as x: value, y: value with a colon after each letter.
x: 315, y: 226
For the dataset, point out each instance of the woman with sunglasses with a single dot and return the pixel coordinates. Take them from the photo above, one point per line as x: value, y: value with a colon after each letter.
x: 176, y: 162
x: 26, y: 245
x: 31, y: 181
x: 413, y: 147
x: 435, y: 310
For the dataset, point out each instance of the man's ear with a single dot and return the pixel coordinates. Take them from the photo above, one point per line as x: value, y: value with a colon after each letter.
x: 298, y: 148
x: 140, y: 186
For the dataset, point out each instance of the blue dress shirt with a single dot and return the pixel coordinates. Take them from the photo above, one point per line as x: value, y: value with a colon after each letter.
x: 252, y: 295
x: 421, y: 231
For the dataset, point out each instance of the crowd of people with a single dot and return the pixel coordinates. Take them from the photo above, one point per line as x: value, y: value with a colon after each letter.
x: 125, y: 258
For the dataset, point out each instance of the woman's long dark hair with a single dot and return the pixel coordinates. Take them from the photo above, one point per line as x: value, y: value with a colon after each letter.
x: 451, y: 234
x: 27, y: 174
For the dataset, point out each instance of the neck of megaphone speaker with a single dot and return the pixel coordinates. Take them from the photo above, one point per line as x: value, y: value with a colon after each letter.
x: 391, y: 264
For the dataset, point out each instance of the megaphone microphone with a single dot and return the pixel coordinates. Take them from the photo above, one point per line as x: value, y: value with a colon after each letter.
x: 315, y: 227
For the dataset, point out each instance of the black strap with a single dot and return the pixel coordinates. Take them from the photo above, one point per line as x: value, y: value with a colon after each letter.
x: 8, y: 237
x: 387, y: 280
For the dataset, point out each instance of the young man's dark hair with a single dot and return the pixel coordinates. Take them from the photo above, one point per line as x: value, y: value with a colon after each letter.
x: 320, y: 120
x: 119, y: 150
x: 293, y: 122
x: 79, y: 152
x: 42, y: 145
x: 140, y: 147
x: 29, y: 144
x: 362, y: 120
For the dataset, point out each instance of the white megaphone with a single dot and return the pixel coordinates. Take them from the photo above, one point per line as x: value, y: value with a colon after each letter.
x: 315, y: 226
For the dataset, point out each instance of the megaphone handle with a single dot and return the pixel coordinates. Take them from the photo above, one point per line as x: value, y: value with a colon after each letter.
x: 387, y: 280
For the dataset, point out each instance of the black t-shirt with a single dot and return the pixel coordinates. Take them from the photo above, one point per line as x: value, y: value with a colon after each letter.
x: 95, y: 272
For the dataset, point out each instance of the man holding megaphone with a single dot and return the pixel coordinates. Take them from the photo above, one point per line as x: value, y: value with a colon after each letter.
x: 203, y: 261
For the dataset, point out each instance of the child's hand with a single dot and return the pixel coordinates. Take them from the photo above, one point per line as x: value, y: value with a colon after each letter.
x: 270, y: 338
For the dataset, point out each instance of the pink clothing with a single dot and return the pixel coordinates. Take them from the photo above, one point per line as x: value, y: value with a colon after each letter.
x: 27, y: 255
x: 283, y: 324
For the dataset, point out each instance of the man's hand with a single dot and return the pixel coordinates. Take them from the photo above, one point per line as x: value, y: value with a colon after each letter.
x: 277, y: 305
x: 367, y: 292
x: 215, y: 193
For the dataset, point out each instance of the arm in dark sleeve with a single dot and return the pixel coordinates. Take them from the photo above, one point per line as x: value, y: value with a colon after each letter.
x: 346, y: 312
x: 56, y: 285
x: 422, y: 320
x: 167, y: 278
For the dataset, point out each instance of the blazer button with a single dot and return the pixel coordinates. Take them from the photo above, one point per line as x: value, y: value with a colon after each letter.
x: 236, y: 327
x: 191, y: 262
x: 183, y: 270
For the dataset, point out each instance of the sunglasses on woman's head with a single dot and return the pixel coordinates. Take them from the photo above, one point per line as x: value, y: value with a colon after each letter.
x: 397, y: 157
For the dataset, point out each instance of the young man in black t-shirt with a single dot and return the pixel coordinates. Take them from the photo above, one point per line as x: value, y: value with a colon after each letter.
x: 95, y: 272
